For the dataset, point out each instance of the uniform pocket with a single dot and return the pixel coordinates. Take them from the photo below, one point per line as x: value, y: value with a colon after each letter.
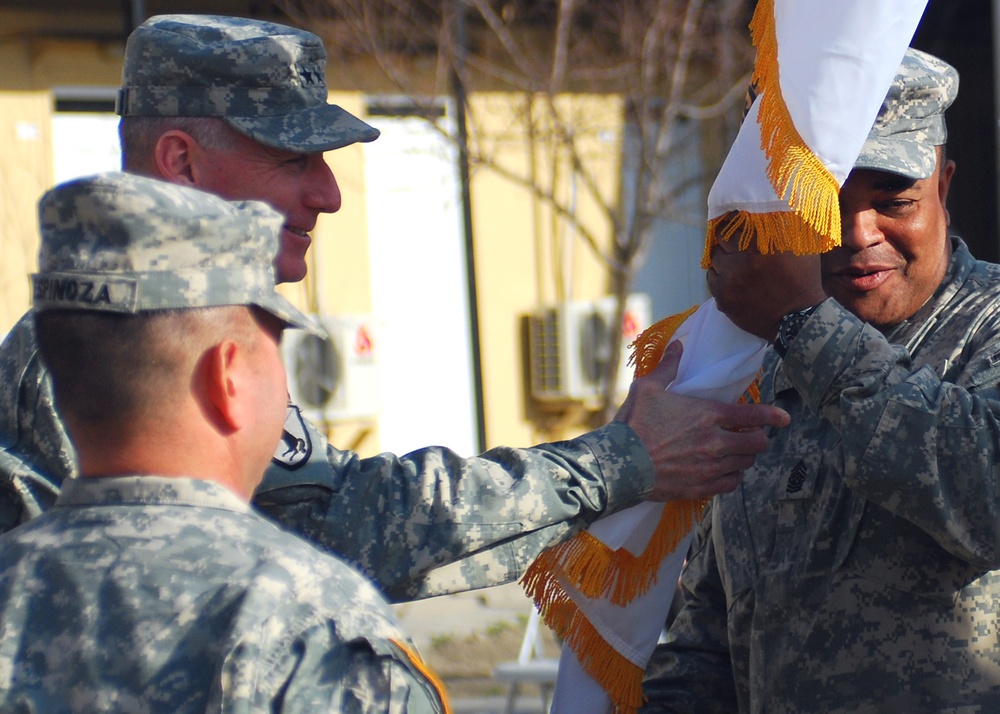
x: 734, y: 547
x: 892, y: 551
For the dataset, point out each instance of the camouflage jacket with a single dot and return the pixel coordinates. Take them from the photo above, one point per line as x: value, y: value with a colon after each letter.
x: 150, y: 594
x: 424, y: 524
x: 855, y: 569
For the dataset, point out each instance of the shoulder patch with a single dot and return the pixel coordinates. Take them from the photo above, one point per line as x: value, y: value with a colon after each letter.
x: 295, y: 446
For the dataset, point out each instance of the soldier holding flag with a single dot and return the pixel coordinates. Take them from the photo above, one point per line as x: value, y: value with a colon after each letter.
x: 856, y: 567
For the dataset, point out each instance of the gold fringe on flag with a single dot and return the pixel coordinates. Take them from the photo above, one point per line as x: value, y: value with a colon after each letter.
x: 775, y: 232
x: 588, y: 565
x: 619, y: 677
x: 797, y: 174
x: 812, y: 226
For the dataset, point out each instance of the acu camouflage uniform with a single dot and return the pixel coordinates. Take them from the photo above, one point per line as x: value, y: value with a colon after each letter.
x: 399, y: 519
x: 857, y: 568
x: 151, y: 594
x: 147, y: 594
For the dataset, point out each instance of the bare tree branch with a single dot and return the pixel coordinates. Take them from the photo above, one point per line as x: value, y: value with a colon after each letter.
x: 667, y: 63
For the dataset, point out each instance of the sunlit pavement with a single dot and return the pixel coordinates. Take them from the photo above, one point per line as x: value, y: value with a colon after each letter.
x: 495, y: 705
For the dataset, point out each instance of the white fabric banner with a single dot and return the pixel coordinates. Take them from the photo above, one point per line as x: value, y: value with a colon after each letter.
x: 836, y: 60
x: 718, y: 362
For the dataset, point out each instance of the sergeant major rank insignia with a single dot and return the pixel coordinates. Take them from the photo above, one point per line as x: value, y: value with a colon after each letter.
x: 796, y: 478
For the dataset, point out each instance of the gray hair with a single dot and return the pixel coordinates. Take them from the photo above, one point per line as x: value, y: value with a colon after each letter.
x: 138, y: 136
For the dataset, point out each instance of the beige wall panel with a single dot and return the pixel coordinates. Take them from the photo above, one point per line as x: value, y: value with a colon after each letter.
x: 505, y: 268
x: 526, y: 257
x: 55, y: 63
x: 25, y: 172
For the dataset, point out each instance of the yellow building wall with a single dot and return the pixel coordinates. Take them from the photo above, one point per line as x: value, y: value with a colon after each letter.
x: 338, y: 279
x: 528, y: 257
x: 28, y: 72
x: 25, y: 172
x: 55, y: 63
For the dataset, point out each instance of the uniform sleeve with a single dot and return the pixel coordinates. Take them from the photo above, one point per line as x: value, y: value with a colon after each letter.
x: 936, y: 424
x: 691, y: 671
x: 364, y: 675
x: 486, y: 518
x: 35, y: 451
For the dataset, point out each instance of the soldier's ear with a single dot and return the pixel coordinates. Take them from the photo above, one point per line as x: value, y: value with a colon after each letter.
x: 221, y: 386
x: 174, y: 155
x: 944, y: 183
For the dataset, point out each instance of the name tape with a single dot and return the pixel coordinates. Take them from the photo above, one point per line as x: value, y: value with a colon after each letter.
x: 88, y: 292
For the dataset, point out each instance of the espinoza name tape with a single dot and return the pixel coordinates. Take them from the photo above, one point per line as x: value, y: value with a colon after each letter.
x: 85, y: 292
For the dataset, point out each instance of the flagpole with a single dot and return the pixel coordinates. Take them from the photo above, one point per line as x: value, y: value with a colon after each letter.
x: 996, y: 100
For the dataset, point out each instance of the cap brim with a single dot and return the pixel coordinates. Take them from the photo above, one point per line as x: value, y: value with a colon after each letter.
x: 322, y: 128
x: 290, y: 315
x: 898, y: 156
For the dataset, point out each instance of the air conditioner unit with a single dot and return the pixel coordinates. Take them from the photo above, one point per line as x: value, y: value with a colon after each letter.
x: 337, y: 377
x: 569, y: 347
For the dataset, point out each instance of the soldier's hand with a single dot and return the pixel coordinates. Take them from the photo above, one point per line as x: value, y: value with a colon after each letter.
x: 755, y: 291
x: 699, y: 447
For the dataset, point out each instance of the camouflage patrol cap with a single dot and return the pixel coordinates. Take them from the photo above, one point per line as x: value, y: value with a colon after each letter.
x: 910, y: 123
x: 118, y: 242
x: 265, y: 80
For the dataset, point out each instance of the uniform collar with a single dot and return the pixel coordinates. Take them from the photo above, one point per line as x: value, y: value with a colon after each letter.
x: 148, y: 491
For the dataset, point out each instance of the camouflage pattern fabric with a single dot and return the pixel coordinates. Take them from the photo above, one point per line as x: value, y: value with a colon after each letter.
x: 910, y: 124
x: 184, y: 600
x: 117, y: 242
x: 121, y: 243
x: 855, y: 569
x: 266, y: 80
x: 35, y: 451
x: 398, y: 519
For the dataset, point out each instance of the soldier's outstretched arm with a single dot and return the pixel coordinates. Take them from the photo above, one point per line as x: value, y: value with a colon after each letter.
x: 400, y: 517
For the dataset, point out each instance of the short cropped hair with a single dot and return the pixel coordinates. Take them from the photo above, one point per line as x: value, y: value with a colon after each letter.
x: 138, y: 137
x: 110, y: 369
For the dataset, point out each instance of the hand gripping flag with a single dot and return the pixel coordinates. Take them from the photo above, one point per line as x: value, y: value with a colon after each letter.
x: 821, y: 73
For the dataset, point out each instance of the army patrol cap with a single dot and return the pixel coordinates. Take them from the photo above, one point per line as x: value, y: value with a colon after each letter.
x: 910, y: 123
x: 117, y: 242
x: 265, y: 80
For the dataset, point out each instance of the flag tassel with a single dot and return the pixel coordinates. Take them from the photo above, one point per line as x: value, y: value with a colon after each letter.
x: 588, y: 565
x: 798, y: 176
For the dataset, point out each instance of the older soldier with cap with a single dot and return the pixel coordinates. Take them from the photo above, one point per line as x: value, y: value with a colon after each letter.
x: 151, y: 585
x: 856, y: 567
x: 238, y: 108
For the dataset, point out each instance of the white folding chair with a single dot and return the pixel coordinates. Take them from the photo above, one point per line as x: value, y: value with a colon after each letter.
x: 530, y: 667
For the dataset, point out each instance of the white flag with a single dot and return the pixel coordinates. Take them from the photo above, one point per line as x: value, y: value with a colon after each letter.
x: 821, y: 73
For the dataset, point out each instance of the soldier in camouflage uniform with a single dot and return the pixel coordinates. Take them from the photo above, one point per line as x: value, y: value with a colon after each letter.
x: 238, y: 108
x: 856, y: 568
x: 151, y: 585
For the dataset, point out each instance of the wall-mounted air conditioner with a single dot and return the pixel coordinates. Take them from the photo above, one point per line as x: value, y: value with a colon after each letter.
x: 334, y: 378
x: 569, y: 347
